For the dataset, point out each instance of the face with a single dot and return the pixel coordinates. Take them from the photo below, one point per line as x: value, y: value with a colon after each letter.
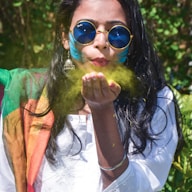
x: 104, y: 14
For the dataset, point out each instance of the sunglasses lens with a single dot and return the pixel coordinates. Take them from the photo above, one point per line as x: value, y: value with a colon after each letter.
x: 119, y: 37
x: 84, y: 32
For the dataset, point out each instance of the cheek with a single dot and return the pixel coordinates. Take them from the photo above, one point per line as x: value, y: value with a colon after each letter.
x: 75, y: 53
x: 122, y: 57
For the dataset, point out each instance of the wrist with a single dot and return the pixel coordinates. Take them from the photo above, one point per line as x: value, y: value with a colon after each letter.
x: 102, y: 107
x: 118, y: 165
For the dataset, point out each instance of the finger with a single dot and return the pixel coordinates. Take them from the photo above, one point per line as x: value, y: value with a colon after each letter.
x: 115, y: 87
x: 104, y: 85
x: 96, y: 85
x: 87, y: 89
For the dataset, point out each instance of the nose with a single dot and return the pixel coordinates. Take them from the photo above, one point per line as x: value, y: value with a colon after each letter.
x: 100, y: 41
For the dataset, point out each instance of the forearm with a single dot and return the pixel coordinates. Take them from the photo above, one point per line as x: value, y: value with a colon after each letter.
x: 109, y: 146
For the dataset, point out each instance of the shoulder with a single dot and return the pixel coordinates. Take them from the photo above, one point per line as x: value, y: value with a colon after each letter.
x: 165, y: 97
x: 166, y: 92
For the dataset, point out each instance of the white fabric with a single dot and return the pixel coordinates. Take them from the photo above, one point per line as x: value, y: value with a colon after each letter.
x: 81, y: 172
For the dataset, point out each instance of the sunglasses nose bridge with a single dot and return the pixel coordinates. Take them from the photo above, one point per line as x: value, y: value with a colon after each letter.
x: 100, y: 40
x: 101, y: 31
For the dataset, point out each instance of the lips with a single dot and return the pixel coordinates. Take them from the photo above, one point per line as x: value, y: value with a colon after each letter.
x: 101, y: 62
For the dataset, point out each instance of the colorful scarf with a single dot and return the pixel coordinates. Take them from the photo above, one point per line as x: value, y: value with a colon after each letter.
x: 25, y: 135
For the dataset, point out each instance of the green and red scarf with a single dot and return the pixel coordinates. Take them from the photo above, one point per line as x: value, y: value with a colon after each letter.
x: 25, y: 136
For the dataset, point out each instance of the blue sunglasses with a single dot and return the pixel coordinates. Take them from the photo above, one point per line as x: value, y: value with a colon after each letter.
x: 119, y: 36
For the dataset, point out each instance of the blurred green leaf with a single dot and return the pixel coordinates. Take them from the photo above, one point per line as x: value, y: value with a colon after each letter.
x: 17, y: 4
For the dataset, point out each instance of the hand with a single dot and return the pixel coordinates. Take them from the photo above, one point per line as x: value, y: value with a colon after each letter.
x: 97, y: 91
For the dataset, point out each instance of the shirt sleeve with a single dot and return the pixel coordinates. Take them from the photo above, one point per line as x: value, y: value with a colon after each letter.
x: 149, y: 173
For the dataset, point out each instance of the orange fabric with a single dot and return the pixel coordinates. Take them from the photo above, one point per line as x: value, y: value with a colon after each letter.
x: 37, y: 133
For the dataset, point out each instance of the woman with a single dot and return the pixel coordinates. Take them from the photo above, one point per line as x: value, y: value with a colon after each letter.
x: 106, y: 135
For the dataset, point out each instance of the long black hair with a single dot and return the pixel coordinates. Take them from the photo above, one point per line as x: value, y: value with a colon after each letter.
x: 142, y: 59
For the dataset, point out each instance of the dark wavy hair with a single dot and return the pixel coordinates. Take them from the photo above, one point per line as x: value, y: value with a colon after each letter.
x: 142, y: 59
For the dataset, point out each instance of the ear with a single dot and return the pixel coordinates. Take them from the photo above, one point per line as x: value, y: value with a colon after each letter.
x: 65, y: 40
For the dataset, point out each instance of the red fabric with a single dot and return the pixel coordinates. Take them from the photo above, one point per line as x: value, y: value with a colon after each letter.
x: 30, y: 188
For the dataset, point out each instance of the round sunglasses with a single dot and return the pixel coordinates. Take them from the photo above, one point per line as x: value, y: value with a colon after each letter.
x: 119, y: 36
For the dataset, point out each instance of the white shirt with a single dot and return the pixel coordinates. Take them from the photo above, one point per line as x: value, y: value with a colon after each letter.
x: 81, y: 172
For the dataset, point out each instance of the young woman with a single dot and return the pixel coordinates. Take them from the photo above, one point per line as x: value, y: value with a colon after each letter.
x: 73, y: 129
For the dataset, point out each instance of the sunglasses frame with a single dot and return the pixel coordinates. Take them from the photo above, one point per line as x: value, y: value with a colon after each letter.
x: 97, y: 32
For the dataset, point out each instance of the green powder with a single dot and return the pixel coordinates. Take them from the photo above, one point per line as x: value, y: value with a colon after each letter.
x: 71, y: 93
x: 118, y: 73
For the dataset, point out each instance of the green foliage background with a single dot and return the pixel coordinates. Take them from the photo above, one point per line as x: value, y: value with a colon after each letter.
x: 26, y: 40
